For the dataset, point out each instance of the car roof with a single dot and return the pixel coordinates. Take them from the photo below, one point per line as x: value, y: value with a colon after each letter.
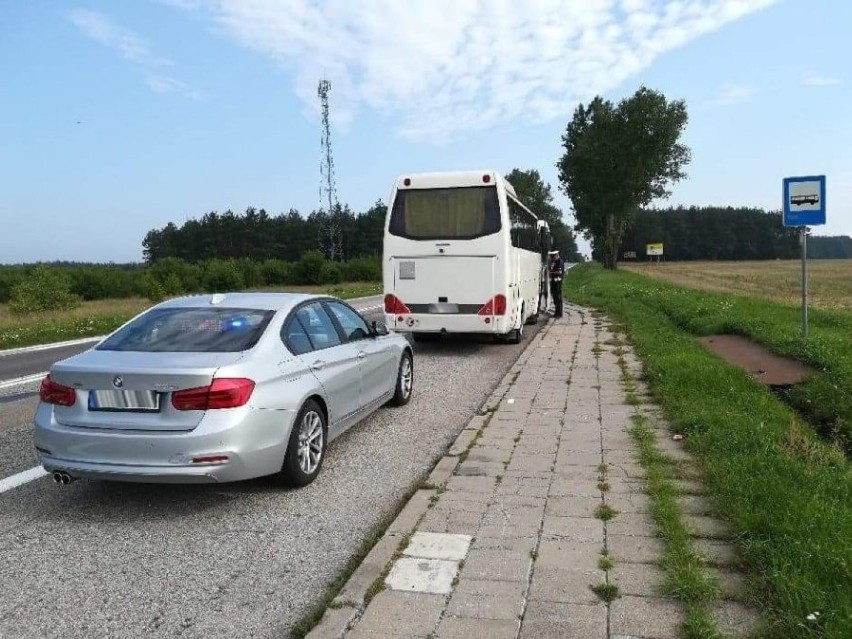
x: 261, y: 301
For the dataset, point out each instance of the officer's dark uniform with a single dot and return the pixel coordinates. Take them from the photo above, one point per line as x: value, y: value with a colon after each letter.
x: 557, y: 270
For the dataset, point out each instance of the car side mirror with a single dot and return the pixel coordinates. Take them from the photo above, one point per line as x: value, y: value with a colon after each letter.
x: 379, y: 328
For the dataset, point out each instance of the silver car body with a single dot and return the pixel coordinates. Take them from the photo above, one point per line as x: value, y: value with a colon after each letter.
x: 350, y: 380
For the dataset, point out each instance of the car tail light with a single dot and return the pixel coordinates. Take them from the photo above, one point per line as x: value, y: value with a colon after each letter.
x: 495, y: 306
x: 222, y: 393
x: 394, y: 306
x: 53, y: 393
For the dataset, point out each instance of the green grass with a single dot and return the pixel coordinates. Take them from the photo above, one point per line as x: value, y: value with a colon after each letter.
x: 786, y: 494
x: 606, y: 591
x: 685, y: 576
x: 104, y: 316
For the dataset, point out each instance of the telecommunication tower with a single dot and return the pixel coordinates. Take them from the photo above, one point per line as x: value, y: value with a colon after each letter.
x: 330, y: 239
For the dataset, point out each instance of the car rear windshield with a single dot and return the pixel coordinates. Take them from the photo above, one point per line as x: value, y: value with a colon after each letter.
x: 191, y: 330
x: 445, y: 214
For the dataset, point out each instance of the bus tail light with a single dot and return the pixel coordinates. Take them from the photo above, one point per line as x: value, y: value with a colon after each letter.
x: 486, y: 178
x: 495, y: 306
x: 394, y: 306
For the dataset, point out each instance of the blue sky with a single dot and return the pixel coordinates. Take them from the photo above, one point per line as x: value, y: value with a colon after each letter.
x: 120, y: 117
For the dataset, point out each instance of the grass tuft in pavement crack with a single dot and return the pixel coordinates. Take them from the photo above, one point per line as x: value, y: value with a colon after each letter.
x: 605, y: 512
x: 605, y: 591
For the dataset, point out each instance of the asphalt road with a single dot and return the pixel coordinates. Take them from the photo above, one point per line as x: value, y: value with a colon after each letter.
x: 97, y: 559
x: 30, y: 363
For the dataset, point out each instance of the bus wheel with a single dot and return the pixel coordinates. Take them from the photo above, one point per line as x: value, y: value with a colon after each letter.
x: 516, y: 335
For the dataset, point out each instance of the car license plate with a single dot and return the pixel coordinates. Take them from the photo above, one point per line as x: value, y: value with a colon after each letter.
x: 135, y: 401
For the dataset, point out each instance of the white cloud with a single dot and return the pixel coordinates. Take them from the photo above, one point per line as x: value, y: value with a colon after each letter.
x: 734, y: 94
x: 820, y: 81
x: 130, y: 46
x: 444, y: 66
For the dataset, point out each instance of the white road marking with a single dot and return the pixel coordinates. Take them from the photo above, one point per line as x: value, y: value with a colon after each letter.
x: 21, y: 478
x: 47, y: 347
x: 20, y: 381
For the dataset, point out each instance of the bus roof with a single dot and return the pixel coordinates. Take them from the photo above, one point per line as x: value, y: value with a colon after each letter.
x: 449, y: 179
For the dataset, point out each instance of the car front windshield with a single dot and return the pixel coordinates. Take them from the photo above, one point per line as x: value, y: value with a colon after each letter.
x: 191, y: 330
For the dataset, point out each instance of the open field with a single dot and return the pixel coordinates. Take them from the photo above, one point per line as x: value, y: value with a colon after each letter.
x: 830, y: 281
x: 786, y: 492
x: 102, y: 316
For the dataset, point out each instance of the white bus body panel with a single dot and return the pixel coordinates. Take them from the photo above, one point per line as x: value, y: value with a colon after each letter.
x: 446, y: 282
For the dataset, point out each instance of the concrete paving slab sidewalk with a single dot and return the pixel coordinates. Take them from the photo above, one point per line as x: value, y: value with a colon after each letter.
x: 507, y: 538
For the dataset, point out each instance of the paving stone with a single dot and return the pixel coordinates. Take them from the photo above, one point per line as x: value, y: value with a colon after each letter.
x: 589, y: 473
x: 536, y: 463
x: 550, y: 620
x: 479, y: 606
x: 443, y: 470
x: 734, y: 619
x: 707, y: 527
x: 617, y: 486
x: 333, y: 623
x: 415, y: 574
x: 412, y: 511
x: 519, y: 501
x: 370, y: 569
x: 631, y: 524
x: 462, y: 522
x: 523, y: 545
x: 490, y: 588
x: 641, y: 580
x: 480, y: 469
x: 634, y: 549
x: 689, y: 487
x: 629, y: 502
x: 500, y: 521
x: 568, y: 554
x: 695, y: 504
x: 566, y: 586
x: 577, y: 528
x: 462, y: 442
x: 732, y: 584
x: 438, y: 546
x: 489, y: 454
x: 472, y: 484
x: 459, y: 628
x: 402, y: 613
x: 572, y: 487
x: 715, y: 552
x: 647, y: 617
x: 503, y: 565
x: 572, y: 506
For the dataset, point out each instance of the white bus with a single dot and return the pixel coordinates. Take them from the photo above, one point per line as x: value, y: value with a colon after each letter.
x: 462, y: 255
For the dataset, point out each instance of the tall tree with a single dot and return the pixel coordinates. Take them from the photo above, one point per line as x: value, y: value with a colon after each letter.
x: 619, y: 158
x: 536, y: 194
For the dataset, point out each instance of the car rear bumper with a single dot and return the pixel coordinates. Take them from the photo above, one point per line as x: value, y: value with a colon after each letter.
x: 255, y: 446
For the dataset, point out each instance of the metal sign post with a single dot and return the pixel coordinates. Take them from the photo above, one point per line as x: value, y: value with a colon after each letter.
x: 804, y: 205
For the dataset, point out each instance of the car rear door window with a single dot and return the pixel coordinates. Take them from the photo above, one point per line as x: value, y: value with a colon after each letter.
x: 354, y: 326
x: 318, y: 326
x: 296, y: 338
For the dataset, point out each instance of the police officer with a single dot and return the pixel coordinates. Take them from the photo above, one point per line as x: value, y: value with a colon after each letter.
x: 557, y: 270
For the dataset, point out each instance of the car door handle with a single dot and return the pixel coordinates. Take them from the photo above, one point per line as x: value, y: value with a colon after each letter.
x: 317, y: 365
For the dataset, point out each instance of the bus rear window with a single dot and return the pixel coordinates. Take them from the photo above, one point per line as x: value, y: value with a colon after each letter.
x: 445, y: 214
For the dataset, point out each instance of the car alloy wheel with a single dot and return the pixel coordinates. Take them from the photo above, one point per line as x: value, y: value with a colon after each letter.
x: 311, y: 437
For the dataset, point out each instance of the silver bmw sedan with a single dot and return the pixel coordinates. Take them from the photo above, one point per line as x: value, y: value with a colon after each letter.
x: 216, y: 388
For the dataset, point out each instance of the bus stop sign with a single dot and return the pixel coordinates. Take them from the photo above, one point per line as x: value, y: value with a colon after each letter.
x: 804, y: 200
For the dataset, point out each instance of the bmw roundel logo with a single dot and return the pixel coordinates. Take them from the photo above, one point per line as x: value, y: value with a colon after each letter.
x: 118, y: 382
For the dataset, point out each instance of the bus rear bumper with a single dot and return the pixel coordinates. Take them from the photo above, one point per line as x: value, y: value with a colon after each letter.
x: 437, y: 323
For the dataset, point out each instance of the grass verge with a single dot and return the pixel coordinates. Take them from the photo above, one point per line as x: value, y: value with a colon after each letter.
x: 786, y: 494
x: 104, y: 316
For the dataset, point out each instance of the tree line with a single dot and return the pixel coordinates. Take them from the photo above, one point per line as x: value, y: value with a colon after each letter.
x: 340, y: 236
x: 711, y: 233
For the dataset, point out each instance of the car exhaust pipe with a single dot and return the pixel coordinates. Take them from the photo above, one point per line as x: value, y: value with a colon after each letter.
x: 61, y: 477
